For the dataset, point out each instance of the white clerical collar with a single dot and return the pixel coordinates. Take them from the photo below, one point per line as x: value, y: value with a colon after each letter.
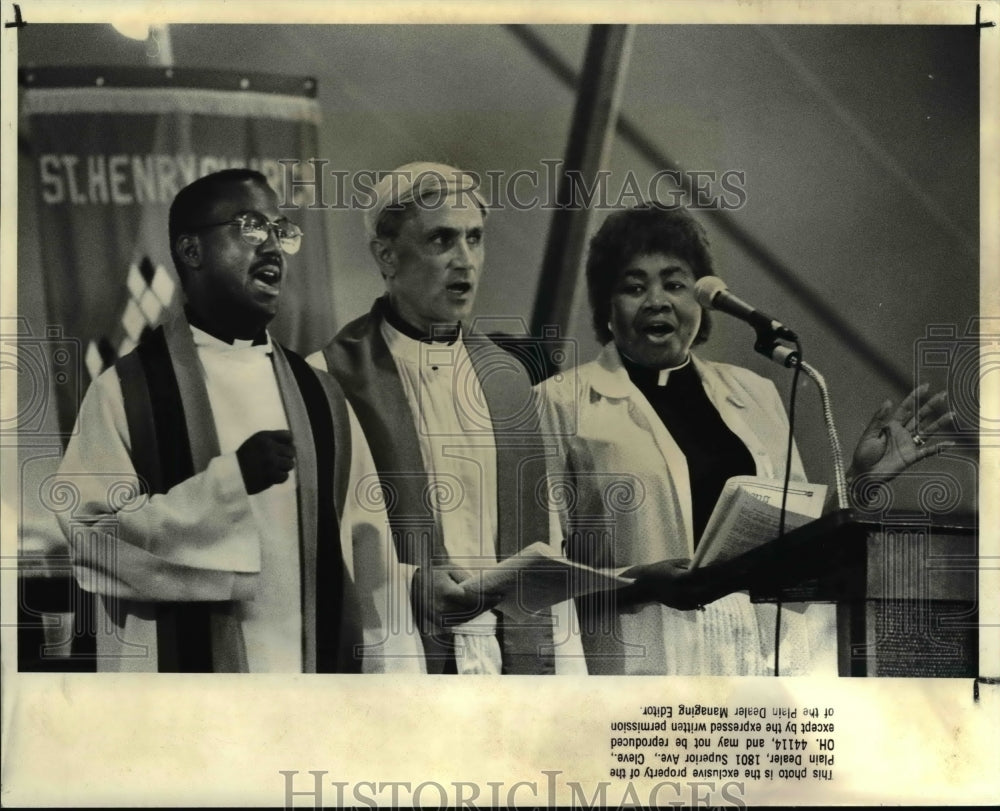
x: 664, y: 374
x: 205, y: 339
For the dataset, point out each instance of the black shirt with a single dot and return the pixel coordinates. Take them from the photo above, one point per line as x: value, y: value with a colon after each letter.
x: 713, y: 452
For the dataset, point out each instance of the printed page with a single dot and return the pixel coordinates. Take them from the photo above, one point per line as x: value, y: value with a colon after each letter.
x: 748, y: 515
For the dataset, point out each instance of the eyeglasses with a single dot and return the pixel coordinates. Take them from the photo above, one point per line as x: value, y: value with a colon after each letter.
x: 255, y: 228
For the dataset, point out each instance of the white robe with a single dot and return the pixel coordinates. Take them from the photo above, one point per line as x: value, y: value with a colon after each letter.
x: 206, y: 539
x: 449, y: 411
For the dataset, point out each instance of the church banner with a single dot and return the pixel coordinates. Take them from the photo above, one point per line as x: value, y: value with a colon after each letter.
x: 111, y: 148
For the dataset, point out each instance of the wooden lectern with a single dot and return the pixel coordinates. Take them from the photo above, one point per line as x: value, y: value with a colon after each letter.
x: 905, y: 589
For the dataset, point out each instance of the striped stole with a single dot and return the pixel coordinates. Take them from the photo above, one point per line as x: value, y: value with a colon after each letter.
x: 362, y: 363
x: 172, y: 436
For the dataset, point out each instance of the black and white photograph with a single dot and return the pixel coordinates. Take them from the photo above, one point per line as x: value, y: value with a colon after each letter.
x: 352, y: 351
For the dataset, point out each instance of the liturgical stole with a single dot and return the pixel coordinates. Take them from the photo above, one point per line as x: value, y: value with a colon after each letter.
x: 173, y: 437
x: 361, y: 361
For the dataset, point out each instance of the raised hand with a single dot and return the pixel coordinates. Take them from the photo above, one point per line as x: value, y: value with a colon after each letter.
x: 899, y: 437
x: 266, y: 459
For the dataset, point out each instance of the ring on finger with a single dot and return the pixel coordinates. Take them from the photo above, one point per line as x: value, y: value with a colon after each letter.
x: 918, y: 440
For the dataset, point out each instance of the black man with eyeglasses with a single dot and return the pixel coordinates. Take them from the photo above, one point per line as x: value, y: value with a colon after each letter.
x: 220, y: 513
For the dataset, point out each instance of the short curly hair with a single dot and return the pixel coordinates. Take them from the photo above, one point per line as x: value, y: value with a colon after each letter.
x: 646, y: 229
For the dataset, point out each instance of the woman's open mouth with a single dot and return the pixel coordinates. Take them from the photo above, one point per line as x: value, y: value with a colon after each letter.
x: 659, y: 331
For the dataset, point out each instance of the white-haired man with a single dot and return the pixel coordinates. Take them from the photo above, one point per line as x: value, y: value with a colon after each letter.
x: 452, y: 424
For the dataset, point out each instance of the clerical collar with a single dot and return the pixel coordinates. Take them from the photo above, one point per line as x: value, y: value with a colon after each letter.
x: 440, y: 333
x: 260, y: 339
x: 261, y: 342
x: 645, y: 377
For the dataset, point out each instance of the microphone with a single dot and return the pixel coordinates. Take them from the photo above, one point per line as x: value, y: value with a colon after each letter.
x: 712, y: 293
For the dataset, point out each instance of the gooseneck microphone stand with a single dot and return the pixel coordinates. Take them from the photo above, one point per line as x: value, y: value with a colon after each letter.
x: 768, y: 344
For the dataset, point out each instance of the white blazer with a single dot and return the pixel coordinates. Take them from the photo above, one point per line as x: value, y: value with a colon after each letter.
x: 621, y: 472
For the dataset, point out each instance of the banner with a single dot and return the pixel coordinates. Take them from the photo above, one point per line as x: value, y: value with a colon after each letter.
x: 111, y: 148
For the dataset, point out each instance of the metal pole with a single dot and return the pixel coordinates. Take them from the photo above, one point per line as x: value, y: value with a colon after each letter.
x: 595, y: 119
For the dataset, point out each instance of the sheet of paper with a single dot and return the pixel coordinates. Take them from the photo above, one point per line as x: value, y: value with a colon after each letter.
x: 538, y: 577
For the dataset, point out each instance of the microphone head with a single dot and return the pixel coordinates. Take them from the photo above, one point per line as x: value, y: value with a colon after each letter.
x: 707, y: 288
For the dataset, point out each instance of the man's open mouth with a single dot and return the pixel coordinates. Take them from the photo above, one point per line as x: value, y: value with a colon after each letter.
x: 267, y: 277
x: 459, y: 288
